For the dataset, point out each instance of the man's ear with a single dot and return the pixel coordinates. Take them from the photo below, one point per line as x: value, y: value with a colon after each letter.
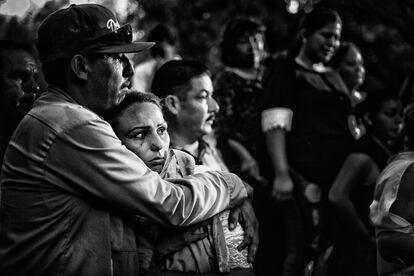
x: 80, y: 67
x: 172, y: 103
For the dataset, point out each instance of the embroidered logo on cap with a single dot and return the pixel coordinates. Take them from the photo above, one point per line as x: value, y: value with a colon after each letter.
x: 112, y: 25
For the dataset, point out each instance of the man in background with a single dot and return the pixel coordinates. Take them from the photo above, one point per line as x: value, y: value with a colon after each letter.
x: 19, y: 86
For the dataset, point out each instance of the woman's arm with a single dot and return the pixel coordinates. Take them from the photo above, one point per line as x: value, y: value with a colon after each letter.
x: 276, y: 146
x: 358, y: 169
x: 248, y: 164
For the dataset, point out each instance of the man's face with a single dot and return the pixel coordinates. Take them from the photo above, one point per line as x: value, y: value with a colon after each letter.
x: 197, y: 112
x: 142, y: 129
x: 109, y: 81
x: 19, y: 81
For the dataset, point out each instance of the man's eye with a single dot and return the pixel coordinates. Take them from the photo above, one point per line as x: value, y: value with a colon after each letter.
x: 203, y: 96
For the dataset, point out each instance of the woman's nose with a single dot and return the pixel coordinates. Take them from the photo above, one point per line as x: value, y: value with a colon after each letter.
x: 156, y: 143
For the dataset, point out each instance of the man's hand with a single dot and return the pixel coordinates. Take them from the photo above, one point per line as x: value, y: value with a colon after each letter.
x: 247, y: 218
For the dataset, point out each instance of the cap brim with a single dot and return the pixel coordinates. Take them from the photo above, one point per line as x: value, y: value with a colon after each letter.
x: 133, y: 47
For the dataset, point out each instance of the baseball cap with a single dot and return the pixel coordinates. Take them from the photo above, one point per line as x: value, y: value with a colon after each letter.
x: 84, y: 28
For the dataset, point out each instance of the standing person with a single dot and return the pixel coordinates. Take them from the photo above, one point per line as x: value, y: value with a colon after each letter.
x: 240, y: 95
x: 353, y: 189
x: 138, y: 121
x: 69, y: 188
x: 19, y: 86
x: 349, y: 63
x: 165, y: 49
x: 305, y: 122
x: 391, y: 210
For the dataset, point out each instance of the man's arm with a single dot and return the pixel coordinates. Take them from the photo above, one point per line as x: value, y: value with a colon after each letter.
x: 97, y: 164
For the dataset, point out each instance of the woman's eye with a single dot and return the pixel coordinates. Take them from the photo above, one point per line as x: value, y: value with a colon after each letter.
x: 138, y: 135
x: 162, y: 130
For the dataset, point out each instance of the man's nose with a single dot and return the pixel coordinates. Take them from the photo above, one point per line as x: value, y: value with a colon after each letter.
x: 212, y: 105
x: 31, y: 86
x: 128, y: 70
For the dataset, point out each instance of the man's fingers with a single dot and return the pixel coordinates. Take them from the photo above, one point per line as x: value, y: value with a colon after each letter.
x: 251, y: 243
x: 234, y: 217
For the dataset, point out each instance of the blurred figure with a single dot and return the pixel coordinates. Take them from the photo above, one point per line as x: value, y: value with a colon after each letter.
x: 349, y: 63
x: 164, y: 50
x: 352, y: 191
x: 240, y: 95
x: 305, y: 122
x: 190, y: 109
x: 19, y: 86
x: 391, y: 211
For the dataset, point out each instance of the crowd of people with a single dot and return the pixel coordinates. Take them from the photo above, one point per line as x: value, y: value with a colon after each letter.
x: 160, y: 167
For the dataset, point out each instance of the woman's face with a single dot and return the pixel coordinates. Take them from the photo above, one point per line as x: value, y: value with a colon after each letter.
x: 249, y: 49
x: 388, y: 122
x: 352, y: 68
x: 142, y: 129
x: 321, y: 45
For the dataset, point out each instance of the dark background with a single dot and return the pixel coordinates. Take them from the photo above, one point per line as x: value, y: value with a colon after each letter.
x: 383, y: 29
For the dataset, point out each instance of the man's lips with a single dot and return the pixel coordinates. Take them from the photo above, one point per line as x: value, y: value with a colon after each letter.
x: 211, y: 118
x: 27, y: 98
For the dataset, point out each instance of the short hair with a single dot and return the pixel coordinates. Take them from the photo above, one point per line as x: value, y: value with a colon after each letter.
x: 55, y: 72
x: 234, y: 29
x: 13, y: 45
x: 319, y: 18
x: 173, y: 78
x: 341, y: 53
x: 161, y: 33
x: 130, y: 98
x: 374, y: 101
x: 409, y: 126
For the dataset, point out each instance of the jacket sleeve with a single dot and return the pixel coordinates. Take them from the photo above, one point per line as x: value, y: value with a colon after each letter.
x: 94, y: 163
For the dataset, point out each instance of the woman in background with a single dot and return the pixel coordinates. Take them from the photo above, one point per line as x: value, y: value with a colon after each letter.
x: 353, y: 189
x: 305, y: 122
x: 349, y: 63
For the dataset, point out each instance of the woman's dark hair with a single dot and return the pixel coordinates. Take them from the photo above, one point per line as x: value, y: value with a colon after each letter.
x: 319, y: 18
x: 234, y: 29
x: 341, y: 53
x: 160, y: 34
x: 130, y: 98
x: 374, y: 101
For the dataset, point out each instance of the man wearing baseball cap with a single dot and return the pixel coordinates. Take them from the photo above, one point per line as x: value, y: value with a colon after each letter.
x: 68, y: 185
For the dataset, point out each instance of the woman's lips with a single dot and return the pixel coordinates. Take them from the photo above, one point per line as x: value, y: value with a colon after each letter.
x: 158, y: 161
